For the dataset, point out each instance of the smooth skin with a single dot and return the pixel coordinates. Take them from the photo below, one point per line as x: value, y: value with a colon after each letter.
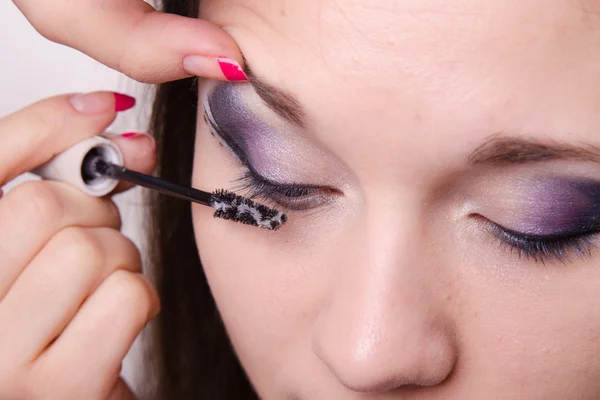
x: 394, y: 290
x: 72, y: 298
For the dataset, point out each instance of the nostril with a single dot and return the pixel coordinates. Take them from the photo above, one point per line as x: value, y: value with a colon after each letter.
x: 407, y: 362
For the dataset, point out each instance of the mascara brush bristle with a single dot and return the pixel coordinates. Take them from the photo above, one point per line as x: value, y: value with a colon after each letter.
x: 231, y: 206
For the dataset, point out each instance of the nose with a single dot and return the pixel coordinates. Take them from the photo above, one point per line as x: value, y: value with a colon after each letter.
x: 386, y: 323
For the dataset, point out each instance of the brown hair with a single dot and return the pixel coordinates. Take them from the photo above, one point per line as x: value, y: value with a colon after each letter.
x: 191, y: 356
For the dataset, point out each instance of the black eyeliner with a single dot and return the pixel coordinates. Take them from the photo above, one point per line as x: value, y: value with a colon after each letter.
x: 240, y: 154
x: 243, y: 158
x: 284, y: 194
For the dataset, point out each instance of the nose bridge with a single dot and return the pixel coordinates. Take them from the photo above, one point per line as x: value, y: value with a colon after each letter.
x: 383, y: 325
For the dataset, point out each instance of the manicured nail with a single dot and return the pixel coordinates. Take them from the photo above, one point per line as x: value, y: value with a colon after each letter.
x: 214, y: 67
x: 138, y: 135
x: 123, y: 102
x: 231, y: 69
x: 92, y: 103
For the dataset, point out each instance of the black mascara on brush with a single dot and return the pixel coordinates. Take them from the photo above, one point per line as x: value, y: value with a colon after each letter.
x: 94, y: 165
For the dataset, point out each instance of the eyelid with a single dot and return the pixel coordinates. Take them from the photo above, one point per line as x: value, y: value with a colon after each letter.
x: 290, y: 197
x: 543, y: 248
x: 287, y: 195
x: 240, y: 154
x: 582, y: 229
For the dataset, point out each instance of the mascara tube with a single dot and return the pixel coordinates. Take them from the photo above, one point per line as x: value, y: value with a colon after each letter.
x: 95, y: 166
x: 68, y: 166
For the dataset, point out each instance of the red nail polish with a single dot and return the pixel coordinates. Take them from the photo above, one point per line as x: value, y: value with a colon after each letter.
x: 123, y: 102
x: 231, y: 69
x: 135, y: 135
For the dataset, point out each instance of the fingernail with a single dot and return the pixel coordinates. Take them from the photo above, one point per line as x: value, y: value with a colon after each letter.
x: 92, y: 103
x: 143, y: 136
x: 231, y: 69
x: 123, y: 102
x: 211, y: 67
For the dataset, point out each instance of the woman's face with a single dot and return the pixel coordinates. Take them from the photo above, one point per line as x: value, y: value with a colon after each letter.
x: 438, y: 162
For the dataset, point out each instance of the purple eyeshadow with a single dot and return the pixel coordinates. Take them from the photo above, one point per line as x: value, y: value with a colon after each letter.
x: 561, y: 206
x: 249, y: 137
x: 548, y: 207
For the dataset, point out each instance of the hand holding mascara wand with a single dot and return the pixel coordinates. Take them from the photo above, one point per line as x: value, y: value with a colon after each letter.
x: 95, y: 166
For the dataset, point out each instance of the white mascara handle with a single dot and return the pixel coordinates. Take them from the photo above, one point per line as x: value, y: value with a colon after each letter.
x: 67, y: 166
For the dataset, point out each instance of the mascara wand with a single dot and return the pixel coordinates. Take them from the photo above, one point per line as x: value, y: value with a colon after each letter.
x: 98, y: 170
x: 227, y: 205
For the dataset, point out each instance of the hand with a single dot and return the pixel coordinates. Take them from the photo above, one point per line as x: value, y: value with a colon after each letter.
x: 72, y: 299
x: 133, y: 38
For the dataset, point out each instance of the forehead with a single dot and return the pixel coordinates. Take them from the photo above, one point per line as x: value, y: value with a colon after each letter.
x: 410, y: 35
x: 462, y: 66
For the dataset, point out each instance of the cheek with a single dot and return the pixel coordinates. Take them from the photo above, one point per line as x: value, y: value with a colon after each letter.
x: 261, y: 291
x: 543, y: 328
x: 522, y: 328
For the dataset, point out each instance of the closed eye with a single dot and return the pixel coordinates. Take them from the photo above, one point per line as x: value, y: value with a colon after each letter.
x: 289, y: 196
x: 544, y: 248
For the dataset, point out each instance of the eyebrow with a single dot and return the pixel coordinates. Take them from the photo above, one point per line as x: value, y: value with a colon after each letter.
x: 283, y: 103
x: 499, y: 150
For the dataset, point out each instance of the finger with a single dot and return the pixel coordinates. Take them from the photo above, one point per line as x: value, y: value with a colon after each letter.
x: 139, y: 154
x: 49, y: 292
x: 103, y: 331
x: 33, y: 135
x: 121, y: 392
x: 34, y: 211
x: 131, y: 37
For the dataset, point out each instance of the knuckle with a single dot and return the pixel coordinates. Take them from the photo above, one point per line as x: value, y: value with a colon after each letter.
x: 36, y: 201
x: 114, y: 213
x: 131, y: 295
x: 125, y: 254
x: 133, y: 257
x: 130, y: 60
x: 131, y: 66
x: 37, y: 12
x: 43, y: 28
x: 78, y: 246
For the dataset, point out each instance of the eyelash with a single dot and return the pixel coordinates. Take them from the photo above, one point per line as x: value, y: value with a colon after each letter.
x: 288, y: 196
x: 544, y: 249
x: 291, y: 197
x: 540, y: 249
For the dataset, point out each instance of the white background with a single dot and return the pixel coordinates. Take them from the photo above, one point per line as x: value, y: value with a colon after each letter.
x: 32, y: 68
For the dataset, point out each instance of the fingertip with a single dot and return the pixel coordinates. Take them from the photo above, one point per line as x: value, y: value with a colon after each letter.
x: 139, y: 154
x: 200, y: 47
x: 100, y: 102
x: 221, y: 68
x: 123, y: 102
x: 139, y: 150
